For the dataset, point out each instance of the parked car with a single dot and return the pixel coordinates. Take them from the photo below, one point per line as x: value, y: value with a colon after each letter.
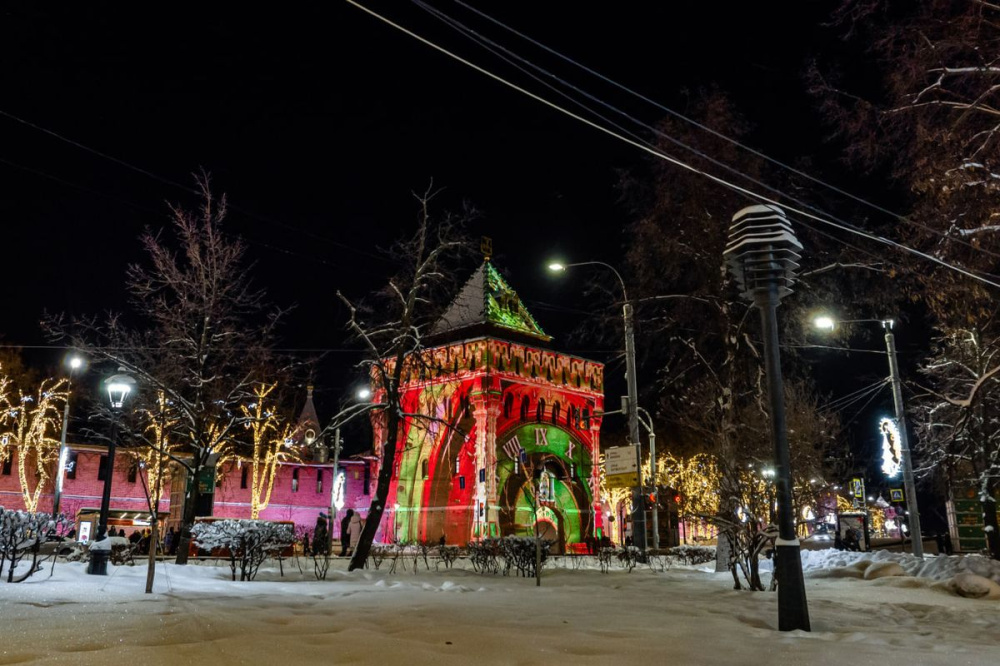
x: 57, y: 545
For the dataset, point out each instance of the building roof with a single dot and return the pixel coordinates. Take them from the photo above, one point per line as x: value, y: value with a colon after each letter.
x: 487, y: 302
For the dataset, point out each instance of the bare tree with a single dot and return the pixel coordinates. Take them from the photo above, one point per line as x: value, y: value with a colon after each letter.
x: 934, y: 121
x: 204, y: 335
x: 393, y: 341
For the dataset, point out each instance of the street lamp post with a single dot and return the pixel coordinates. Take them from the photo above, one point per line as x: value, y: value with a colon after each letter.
x: 119, y: 387
x: 75, y: 363
x: 638, y: 511
x: 762, y: 252
x: 363, y: 394
x: 909, y: 483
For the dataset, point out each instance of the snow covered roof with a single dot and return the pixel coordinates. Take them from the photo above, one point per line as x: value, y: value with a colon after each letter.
x: 487, y: 301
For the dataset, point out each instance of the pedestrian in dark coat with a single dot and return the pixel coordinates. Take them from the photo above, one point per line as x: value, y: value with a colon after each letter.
x: 321, y: 536
x: 345, y: 532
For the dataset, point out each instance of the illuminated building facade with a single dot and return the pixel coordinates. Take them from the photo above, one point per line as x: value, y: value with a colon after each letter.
x: 504, y: 419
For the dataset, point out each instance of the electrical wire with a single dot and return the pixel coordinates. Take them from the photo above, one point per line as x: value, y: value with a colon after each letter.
x: 493, y: 48
x: 853, y: 397
x: 187, y: 188
x: 677, y: 162
x: 720, y: 135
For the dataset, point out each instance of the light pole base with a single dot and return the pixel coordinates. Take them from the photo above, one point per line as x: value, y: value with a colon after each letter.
x: 98, y: 565
x: 793, y: 612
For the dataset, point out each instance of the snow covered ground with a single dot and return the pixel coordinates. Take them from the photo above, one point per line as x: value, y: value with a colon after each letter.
x: 682, y: 616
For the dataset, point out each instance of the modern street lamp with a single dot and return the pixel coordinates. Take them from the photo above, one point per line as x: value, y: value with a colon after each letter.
x: 638, y: 511
x: 909, y: 483
x: 75, y: 364
x: 762, y: 253
x: 119, y: 387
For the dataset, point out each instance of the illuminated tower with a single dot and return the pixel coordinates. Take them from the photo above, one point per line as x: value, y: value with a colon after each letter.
x: 505, y: 409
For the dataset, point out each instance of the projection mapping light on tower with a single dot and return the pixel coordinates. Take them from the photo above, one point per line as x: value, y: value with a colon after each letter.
x: 508, y: 413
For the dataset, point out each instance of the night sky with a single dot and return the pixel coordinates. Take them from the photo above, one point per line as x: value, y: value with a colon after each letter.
x: 319, y: 121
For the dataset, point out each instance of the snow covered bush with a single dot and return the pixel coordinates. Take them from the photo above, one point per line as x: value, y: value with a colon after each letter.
x: 511, y: 553
x: 692, y: 554
x: 21, y: 534
x: 247, y: 543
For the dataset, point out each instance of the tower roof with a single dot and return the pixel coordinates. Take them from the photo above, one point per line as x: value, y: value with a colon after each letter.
x: 486, y: 301
x: 308, y: 418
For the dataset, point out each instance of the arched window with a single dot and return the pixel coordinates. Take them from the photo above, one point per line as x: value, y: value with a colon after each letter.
x: 319, y: 481
x: 295, y: 480
x: 555, y: 412
x: 425, y: 468
x: 540, y: 411
x: 508, y: 405
x: 573, y: 417
x: 525, y: 406
x: 586, y: 418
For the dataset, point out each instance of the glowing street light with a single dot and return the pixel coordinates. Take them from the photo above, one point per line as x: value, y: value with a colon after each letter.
x: 824, y: 322
x: 900, y: 449
x: 638, y: 510
x: 364, y: 393
x: 119, y: 387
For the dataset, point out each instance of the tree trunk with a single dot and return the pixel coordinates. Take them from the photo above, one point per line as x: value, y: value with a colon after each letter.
x: 154, y: 535
x: 187, y: 519
x: 382, y: 489
x: 990, y: 521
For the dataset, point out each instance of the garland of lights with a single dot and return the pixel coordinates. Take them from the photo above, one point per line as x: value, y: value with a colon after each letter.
x: 269, y: 436
x: 154, y: 458
x: 27, y: 427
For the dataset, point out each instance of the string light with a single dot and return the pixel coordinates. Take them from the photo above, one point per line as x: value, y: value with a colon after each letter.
x: 269, y: 437
x: 30, y: 432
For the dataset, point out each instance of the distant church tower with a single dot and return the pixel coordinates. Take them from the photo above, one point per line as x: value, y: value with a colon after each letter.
x: 517, y: 413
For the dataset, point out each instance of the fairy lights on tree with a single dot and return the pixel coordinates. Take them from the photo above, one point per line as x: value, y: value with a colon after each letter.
x: 268, y: 437
x: 154, y: 457
x: 29, y: 427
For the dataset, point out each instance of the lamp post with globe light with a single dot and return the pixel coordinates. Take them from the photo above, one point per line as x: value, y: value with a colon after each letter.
x: 638, y: 510
x: 828, y: 323
x: 119, y: 387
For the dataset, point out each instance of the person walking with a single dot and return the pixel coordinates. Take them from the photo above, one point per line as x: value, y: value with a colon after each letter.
x: 321, y: 536
x: 345, y: 532
x: 354, y: 528
x: 168, y: 541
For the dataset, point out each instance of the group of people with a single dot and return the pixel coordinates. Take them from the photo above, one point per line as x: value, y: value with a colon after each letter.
x: 141, y: 538
x: 350, y: 533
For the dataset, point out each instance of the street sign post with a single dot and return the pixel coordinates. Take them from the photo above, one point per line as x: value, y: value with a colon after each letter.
x: 621, y: 468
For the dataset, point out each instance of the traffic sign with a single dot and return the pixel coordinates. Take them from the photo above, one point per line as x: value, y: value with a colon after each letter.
x: 620, y: 460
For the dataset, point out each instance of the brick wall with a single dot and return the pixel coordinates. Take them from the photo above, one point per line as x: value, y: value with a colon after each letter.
x: 301, y: 506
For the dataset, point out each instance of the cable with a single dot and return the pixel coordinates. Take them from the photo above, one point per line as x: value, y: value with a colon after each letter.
x: 668, y: 158
x: 720, y: 135
x: 487, y: 44
x: 186, y: 188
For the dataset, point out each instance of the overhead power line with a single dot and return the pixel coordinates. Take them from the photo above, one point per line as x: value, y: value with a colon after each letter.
x: 680, y: 116
x: 657, y: 153
x: 186, y: 188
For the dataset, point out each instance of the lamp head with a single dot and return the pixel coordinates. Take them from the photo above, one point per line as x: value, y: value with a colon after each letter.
x: 824, y: 322
x: 556, y: 267
x: 119, y: 387
x: 75, y: 363
x: 364, y: 393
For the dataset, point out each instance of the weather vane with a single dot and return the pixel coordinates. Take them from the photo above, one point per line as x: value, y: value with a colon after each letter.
x: 486, y: 247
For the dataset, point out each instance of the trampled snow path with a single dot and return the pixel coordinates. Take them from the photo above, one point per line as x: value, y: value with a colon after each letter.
x: 683, y: 616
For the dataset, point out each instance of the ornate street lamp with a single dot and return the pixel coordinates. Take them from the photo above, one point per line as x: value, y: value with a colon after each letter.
x: 119, y: 387
x: 762, y: 253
